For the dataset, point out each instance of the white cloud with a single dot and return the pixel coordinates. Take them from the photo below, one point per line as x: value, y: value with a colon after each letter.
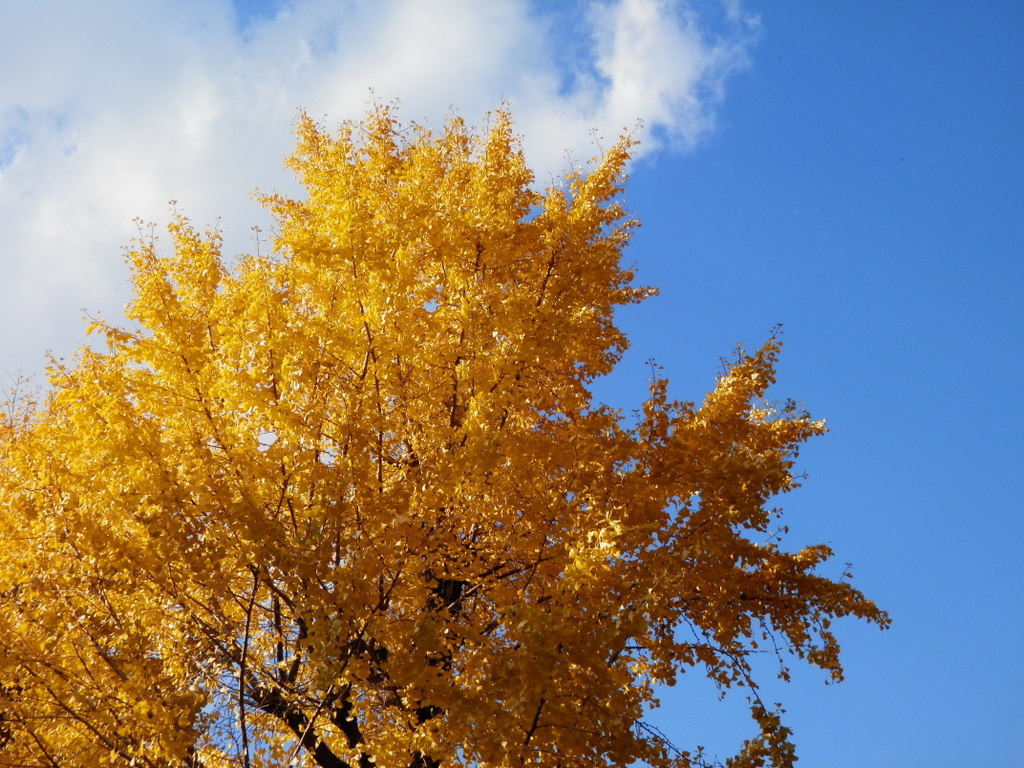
x: 665, y: 72
x: 110, y: 109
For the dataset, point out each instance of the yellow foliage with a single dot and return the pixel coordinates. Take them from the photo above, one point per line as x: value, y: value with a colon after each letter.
x: 350, y: 503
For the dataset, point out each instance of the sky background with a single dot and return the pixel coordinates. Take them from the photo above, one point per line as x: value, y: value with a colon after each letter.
x: 851, y: 170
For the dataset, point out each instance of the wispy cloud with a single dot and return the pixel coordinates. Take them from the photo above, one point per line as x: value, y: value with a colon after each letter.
x: 109, y: 109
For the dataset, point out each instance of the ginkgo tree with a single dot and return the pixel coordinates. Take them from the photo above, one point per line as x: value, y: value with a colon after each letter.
x: 351, y: 503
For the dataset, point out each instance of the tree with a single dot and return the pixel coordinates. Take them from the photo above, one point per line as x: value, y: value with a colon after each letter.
x: 351, y: 502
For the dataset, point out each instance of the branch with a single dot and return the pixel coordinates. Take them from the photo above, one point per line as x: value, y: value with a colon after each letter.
x: 271, y: 701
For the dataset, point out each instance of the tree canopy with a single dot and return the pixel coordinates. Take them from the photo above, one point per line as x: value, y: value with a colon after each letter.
x: 351, y: 502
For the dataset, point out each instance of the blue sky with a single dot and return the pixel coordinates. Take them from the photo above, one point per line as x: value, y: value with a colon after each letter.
x: 863, y: 187
x: 851, y: 170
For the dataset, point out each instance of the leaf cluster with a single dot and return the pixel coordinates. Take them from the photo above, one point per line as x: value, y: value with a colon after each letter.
x: 350, y: 502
